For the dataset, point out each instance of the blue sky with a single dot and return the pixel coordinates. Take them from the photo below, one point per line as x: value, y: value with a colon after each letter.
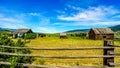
x: 52, y: 16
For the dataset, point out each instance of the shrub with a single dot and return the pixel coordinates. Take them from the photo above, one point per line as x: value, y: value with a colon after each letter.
x: 4, y: 40
x: 30, y: 36
x: 82, y: 35
x: 42, y: 61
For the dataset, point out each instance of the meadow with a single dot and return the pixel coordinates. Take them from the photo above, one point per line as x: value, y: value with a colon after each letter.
x: 56, y: 42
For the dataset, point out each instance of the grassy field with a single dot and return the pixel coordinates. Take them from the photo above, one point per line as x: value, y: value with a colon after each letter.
x: 49, y: 42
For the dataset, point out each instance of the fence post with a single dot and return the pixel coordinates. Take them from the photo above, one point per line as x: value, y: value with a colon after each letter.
x: 107, y: 60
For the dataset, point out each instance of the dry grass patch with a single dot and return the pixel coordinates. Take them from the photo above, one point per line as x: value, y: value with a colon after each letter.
x: 55, y: 42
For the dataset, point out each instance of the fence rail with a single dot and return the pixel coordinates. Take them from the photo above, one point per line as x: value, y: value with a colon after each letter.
x: 43, y: 56
x: 78, y: 48
x: 108, y: 54
x: 45, y: 66
x: 115, y: 53
x: 114, y: 64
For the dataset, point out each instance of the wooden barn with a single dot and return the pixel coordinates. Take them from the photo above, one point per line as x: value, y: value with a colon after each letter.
x: 63, y: 35
x: 101, y: 33
x: 20, y: 33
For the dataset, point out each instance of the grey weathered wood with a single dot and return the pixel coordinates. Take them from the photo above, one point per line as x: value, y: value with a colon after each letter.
x: 107, y: 60
x: 43, y: 56
x: 78, y: 48
x: 115, y: 53
x: 45, y: 66
x: 26, y: 65
x: 114, y: 64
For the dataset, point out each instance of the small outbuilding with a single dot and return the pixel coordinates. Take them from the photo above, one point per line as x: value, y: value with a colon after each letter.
x: 20, y: 33
x: 63, y: 35
x: 10, y: 34
x: 41, y: 35
x: 101, y: 33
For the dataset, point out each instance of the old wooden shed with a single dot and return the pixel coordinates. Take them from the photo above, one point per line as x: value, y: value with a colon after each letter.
x: 41, y: 35
x: 63, y: 35
x: 20, y: 33
x: 101, y: 33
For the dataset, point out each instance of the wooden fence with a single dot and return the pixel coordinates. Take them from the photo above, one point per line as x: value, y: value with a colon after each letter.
x: 108, y: 55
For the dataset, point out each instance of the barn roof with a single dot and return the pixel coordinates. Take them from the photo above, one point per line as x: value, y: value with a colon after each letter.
x: 22, y: 31
x: 102, y: 31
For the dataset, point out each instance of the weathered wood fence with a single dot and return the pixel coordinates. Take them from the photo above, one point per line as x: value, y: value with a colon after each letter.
x: 108, y: 55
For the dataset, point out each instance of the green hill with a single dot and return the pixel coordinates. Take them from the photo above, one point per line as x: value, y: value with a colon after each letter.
x: 115, y: 28
x: 78, y: 30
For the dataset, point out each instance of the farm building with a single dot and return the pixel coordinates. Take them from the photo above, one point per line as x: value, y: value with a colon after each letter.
x: 41, y: 35
x: 20, y: 33
x: 101, y: 33
x: 10, y: 33
x: 63, y: 35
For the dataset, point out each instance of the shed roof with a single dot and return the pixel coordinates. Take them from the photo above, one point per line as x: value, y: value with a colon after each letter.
x: 102, y: 31
x: 62, y: 34
x: 22, y: 31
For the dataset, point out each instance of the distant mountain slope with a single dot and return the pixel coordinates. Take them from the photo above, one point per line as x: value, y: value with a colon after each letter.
x: 12, y: 30
x: 115, y: 28
x: 78, y: 30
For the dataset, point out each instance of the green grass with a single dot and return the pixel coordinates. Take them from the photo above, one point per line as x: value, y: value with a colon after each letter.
x: 55, y: 42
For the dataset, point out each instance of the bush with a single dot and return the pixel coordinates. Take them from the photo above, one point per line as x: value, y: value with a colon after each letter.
x: 4, y: 40
x: 81, y: 35
x: 42, y: 61
x: 30, y: 36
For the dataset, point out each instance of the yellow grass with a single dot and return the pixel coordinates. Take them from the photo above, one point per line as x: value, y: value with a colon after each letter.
x: 69, y: 43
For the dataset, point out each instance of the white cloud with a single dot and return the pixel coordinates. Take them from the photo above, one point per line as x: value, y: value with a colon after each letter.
x: 26, y: 20
x: 12, y: 22
x: 111, y: 23
x: 12, y: 25
x: 92, y: 13
x: 34, y: 14
x: 46, y: 29
x: 74, y: 7
x: 92, y: 16
x: 87, y: 23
